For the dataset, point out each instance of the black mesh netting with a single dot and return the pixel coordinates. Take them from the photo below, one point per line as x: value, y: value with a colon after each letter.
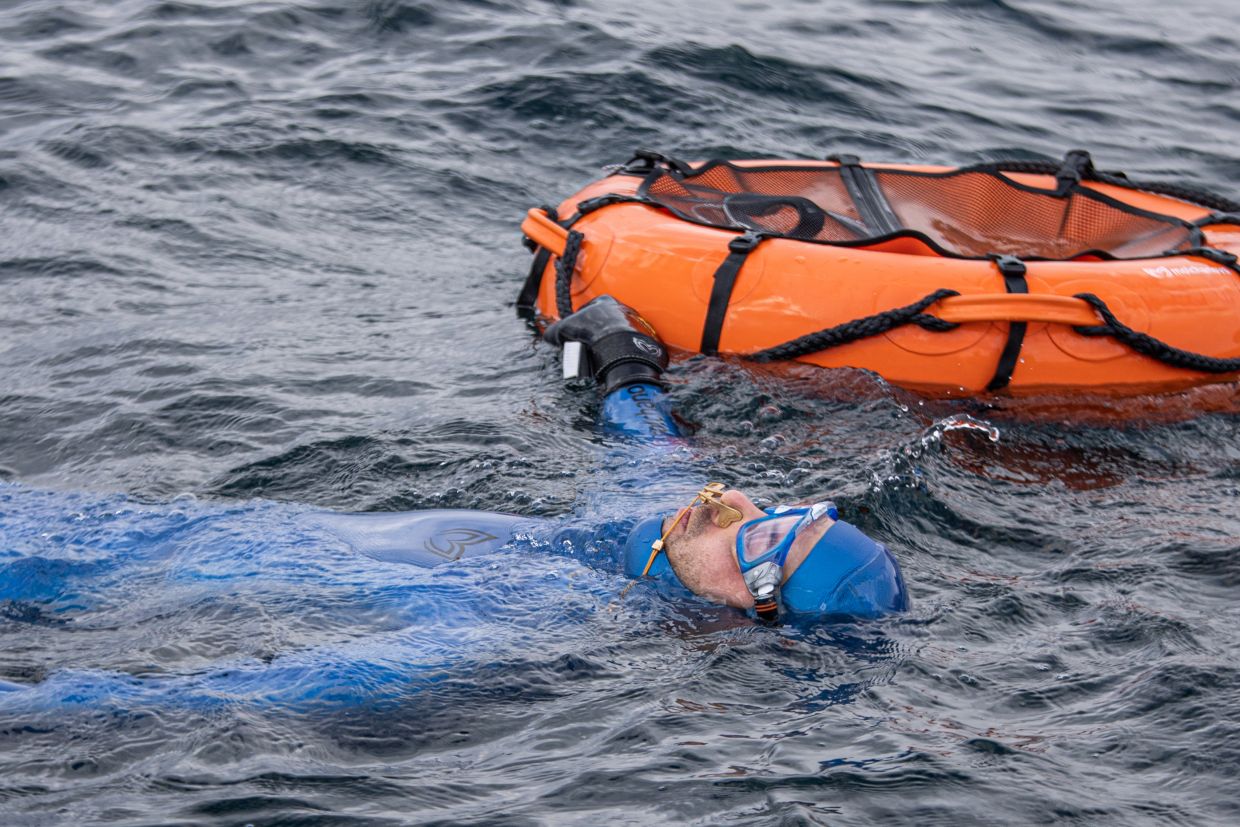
x: 963, y: 213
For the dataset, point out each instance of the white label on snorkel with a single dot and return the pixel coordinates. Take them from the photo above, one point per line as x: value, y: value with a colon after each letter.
x: 572, y: 360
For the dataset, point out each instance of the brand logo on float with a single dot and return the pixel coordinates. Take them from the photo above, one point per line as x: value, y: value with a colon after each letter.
x: 1165, y: 272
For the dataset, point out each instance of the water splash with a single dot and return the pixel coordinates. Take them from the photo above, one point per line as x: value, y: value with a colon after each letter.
x: 900, y: 467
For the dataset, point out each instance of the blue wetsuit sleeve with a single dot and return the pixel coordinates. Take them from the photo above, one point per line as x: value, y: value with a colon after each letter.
x: 639, y: 410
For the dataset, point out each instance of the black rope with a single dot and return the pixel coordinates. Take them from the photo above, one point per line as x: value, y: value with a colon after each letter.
x: 1193, y: 195
x: 527, y: 300
x: 863, y: 328
x: 1218, y: 218
x: 564, y: 274
x: 1149, y: 346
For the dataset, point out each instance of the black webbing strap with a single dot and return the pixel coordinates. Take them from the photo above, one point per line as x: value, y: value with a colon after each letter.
x: 867, y: 196
x: 739, y: 249
x: 527, y: 299
x: 1013, y: 270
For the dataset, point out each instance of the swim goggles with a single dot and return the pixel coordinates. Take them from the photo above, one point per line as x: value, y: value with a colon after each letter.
x: 762, y: 547
x: 762, y: 544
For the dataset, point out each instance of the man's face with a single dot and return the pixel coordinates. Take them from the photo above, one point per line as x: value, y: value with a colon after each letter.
x: 703, y: 555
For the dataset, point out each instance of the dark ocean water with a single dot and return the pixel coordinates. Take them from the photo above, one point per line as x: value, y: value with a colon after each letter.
x: 258, y: 259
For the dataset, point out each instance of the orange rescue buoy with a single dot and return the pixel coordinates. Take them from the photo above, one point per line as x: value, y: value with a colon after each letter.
x: 1017, y: 277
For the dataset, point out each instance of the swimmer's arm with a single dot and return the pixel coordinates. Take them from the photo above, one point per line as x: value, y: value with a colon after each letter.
x: 639, y: 410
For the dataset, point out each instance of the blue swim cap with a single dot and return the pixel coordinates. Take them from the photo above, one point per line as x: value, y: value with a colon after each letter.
x: 847, y: 573
x: 637, y: 549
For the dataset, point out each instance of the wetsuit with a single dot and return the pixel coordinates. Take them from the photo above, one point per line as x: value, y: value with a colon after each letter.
x: 316, y: 564
x: 361, y: 609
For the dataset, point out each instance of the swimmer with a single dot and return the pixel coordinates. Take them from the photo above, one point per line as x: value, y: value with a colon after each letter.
x: 784, y: 561
x: 797, y: 559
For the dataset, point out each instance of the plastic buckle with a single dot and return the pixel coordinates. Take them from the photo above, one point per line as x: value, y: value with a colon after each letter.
x: 1077, y: 165
x: 1009, y: 266
x: 745, y: 243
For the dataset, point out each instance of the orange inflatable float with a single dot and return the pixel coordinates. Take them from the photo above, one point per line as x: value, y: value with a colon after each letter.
x: 1021, y: 277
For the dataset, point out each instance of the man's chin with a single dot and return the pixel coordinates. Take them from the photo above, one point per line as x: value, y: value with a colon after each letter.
x: 730, y: 600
